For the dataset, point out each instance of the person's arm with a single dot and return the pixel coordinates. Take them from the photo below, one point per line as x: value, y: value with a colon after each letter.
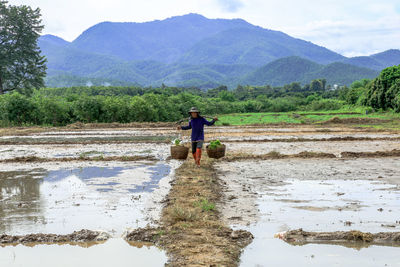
x: 210, y: 123
x: 187, y: 127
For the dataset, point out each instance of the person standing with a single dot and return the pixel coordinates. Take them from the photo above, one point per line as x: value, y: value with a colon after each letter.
x: 197, y: 123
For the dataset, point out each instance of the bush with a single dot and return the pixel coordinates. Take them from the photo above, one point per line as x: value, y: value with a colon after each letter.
x: 18, y: 109
x: 325, y: 104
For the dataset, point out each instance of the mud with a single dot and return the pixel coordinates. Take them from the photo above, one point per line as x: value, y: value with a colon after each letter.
x: 316, y: 139
x: 82, y: 236
x: 274, y: 179
x: 189, y: 233
x: 270, y: 196
x: 331, y: 147
x: 300, y: 237
x: 61, y: 197
x: 376, y: 154
x: 310, y: 155
x: 84, y: 158
x: 337, y: 120
x: 277, y: 155
x: 159, y: 151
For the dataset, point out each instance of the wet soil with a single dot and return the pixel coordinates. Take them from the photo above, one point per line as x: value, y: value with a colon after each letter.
x: 82, y: 236
x: 61, y: 197
x: 320, y: 195
x: 301, y: 237
x: 81, y: 158
x: 190, y: 234
x: 330, y: 177
x: 332, y: 147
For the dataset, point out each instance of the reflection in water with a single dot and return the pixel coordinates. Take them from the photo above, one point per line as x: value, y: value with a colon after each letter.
x: 115, y: 252
x: 64, y: 200
x: 84, y: 173
x: 323, y: 206
x: 20, y: 199
x: 157, y: 173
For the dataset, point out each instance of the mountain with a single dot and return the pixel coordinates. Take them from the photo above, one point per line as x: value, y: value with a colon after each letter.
x: 192, y: 50
x: 377, y: 61
x: 49, y: 39
x: 163, y: 41
x: 296, y: 69
x: 255, y: 46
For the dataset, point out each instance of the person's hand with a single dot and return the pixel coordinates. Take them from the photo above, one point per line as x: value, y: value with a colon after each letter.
x: 216, y: 119
x: 179, y: 128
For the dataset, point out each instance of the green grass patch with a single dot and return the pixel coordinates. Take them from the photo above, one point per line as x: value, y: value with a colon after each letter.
x: 302, y: 117
x: 205, y: 205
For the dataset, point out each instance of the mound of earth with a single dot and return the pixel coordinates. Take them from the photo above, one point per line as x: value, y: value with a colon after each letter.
x: 76, y: 237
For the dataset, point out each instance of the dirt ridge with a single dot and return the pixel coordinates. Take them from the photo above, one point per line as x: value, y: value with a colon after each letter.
x: 96, y: 158
x: 300, y: 236
x: 191, y: 230
x: 81, y: 236
x: 309, y: 154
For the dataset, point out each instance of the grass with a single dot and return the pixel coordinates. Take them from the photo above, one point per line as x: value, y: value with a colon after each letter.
x: 182, y: 214
x: 205, y: 205
x: 306, y: 117
x: 90, y: 153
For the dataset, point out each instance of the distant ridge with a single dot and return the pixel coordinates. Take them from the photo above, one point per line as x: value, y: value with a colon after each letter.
x: 192, y: 50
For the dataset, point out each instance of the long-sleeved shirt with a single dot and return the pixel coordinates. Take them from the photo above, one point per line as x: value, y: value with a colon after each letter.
x: 197, y: 126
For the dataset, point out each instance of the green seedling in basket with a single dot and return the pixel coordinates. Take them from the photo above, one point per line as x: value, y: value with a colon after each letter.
x: 215, y: 144
x: 177, y: 142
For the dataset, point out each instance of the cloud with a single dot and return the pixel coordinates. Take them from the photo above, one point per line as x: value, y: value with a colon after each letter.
x: 230, y: 5
x: 352, y: 37
x: 357, y: 27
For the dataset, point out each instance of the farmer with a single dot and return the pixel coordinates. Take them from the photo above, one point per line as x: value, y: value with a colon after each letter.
x: 197, y: 123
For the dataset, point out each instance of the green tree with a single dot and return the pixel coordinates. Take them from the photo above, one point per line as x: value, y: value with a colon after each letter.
x: 22, y: 68
x: 316, y: 85
x: 384, y: 91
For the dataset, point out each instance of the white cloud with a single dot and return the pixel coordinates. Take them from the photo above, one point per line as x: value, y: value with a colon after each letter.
x: 356, y: 27
x: 230, y: 5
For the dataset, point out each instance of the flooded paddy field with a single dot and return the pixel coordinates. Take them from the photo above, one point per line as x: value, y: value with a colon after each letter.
x: 267, y: 197
x: 263, y: 197
x: 114, y: 252
x: 62, y: 197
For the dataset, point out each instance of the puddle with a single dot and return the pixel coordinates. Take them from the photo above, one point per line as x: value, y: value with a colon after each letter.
x: 64, y: 199
x: 115, y: 252
x: 328, y: 212
x: 316, y: 195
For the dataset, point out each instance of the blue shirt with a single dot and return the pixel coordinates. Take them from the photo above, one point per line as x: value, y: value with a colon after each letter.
x: 197, y: 126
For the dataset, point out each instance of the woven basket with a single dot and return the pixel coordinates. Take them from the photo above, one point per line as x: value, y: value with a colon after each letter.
x: 179, y: 152
x: 216, y: 153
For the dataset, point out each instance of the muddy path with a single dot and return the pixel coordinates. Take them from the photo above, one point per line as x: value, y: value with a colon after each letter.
x: 191, y: 229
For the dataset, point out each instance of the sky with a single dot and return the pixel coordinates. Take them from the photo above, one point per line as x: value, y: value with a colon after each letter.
x: 349, y: 27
